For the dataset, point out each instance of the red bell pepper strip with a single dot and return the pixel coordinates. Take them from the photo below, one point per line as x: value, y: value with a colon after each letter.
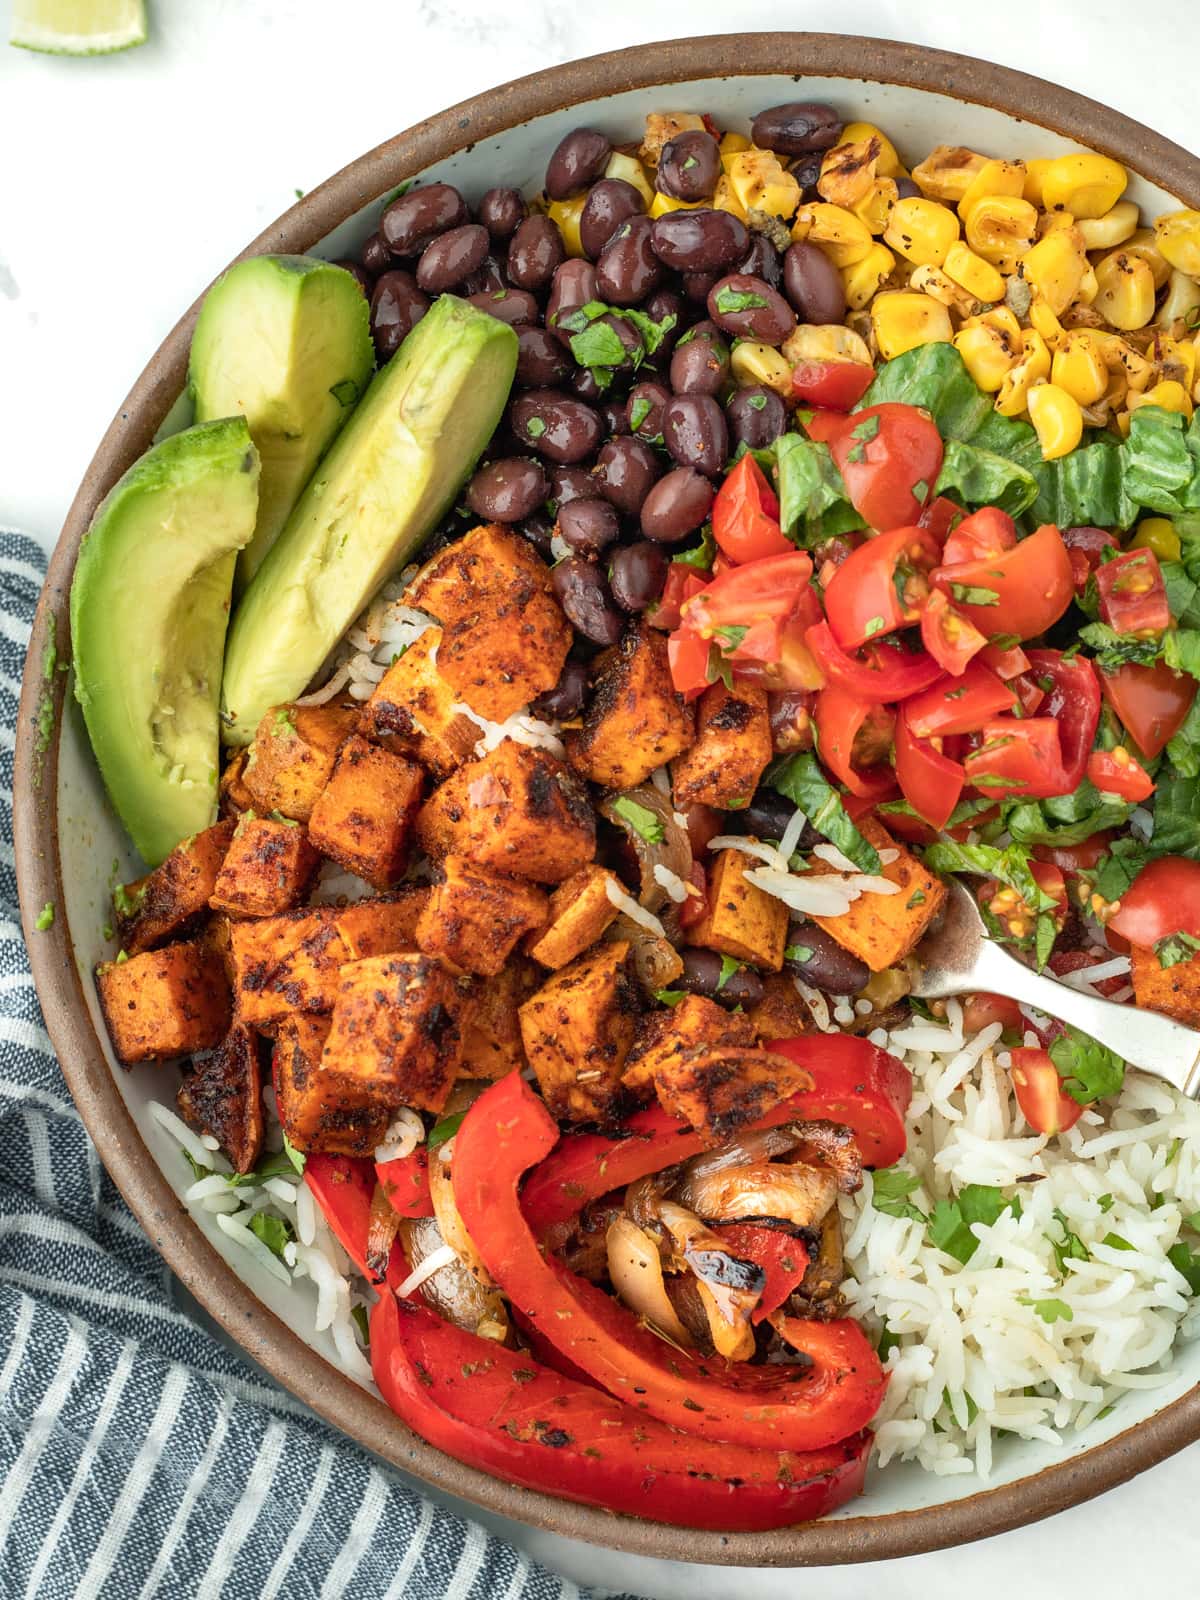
x: 406, y: 1183
x: 782, y: 1258
x: 889, y: 674
x: 857, y: 1084
x: 507, y: 1131
x: 342, y: 1186
x: 506, y: 1414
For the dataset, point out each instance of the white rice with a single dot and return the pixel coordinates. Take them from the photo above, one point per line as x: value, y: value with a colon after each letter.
x: 676, y: 888
x: 636, y: 913
x: 381, y: 634
x: 401, y: 1137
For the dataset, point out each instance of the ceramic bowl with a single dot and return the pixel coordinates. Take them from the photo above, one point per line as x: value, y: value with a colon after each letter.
x: 69, y: 844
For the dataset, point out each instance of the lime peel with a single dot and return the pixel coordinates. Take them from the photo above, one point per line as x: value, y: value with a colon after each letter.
x: 78, y: 27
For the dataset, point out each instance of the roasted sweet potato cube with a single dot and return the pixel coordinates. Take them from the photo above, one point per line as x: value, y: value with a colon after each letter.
x: 222, y: 1096
x: 292, y: 756
x: 692, y: 1027
x: 780, y: 1014
x: 475, y: 916
x: 731, y: 752
x: 722, y: 1090
x: 578, y: 1029
x: 234, y: 795
x: 580, y: 911
x: 364, y: 815
x: 742, y: 920
x: 517, y: 810
x: 267, y: 868
x: 634, y: 722
x: 492, y: 1044
x: 172, y: 900
x: 164, y: 1003
x: 412, y: 711
x: 881, y: 929
x: 1175, y: 991
x: 396, y: 1029
x: 377, y: 927
x: 319, y: 1112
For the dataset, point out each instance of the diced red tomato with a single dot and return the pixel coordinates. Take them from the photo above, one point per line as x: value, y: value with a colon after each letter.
x: 1117, y: 772
x: 1164, y: 898
x: 687, y: 657
x: 837, y: 385
x: 982, y: 1009
x: 682, y: 583
x: 950, y: 639
x: 839, y: 717
x: 941, y: 516
x: 1076, y: 858
x: 1133, y: 596
x: 1151, y: 702
x: 887, y: 675
x: 1018, y: 757
x: 889, y: 457
x: 794, y: 668
x: 1086, y: 547
x: 1021, y: 591
x: 823, y: 426
x: 751, y: 593
x: 929, y: 780
x: 985, y: 533
x: 880, y: 586
x: 1073, y: 700
x: 1049, y: 878
x: 745, y: 516
x: 958, y: 705
x: 1006, y: 661
x: 1038, y: 1087
x: 1029, y: 694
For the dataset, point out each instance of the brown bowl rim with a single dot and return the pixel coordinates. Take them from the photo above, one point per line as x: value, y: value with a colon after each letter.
x: 257, y: 1330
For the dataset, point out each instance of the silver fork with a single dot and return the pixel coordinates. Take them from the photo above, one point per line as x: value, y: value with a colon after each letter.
x: 958, y: 957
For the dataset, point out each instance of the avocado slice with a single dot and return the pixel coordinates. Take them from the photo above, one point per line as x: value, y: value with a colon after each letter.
x: 286, y: 342
x: 384, y: 486
x: 149, y: 609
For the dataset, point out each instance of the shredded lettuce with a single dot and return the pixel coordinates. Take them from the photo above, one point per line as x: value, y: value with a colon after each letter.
x: 813, y: 503
x: 800, y: 778
x: 981, y: 478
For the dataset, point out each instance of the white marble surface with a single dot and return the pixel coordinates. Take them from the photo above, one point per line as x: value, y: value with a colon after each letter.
x: 126, y: 183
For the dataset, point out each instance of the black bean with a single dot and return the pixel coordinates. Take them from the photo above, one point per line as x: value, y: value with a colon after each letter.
x: 555, y: 425
x: 828, y: 967
x: 360, y: 275
x: 767, y: 815
x: 513, y: 306
x: 700, y: 365
x: 570, y: 483
x: 626, y: 470
x: 451, y: 257
x: 583, y: 593
x: 376, y: 256
x: 580, y: 158
x: 689, y: 166
x: 797, y: 128
x: 807, y: 172
x: 756, y: 416
x: 539, y: 530
x: 813, y: 284
x: 614, y: 414
x: 702, y: 974
x: 508, y: 490
x: 698, y: 285
x: 535, y: 250
x: 906, y: 189
x: 647, y: 402
x: 628, y: 269
x: 637, y: 573
x: 749, y: 308
x: 661, y: 305
x: 541, y: 359
x: 695, y: 433
x: 676, y: 506
x: 587, y: 387
x: 501, y: 211
x: 574, y: 285
x: 762, y: 260
x: 609, y: 203
x: 588, y: 526
x: 700, y: 241
x: 410, y: 222
x: 488, y: 278
x: 567, y: 696
x: 397, y: 305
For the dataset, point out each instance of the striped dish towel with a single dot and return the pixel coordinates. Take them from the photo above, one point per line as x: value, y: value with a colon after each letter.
x: 139, y: 1456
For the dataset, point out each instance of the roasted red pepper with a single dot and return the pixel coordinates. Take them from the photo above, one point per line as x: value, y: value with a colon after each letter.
x: 343, y: 1186
x: 406, y: 1183
x: 857, y: 1084
x: 782, y: 1257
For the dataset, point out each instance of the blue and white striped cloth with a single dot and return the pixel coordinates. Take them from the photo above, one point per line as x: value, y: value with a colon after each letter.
x: 139, y: 1456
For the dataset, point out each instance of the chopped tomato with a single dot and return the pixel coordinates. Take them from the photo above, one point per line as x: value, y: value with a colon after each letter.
x: 1006, y: 660
x: 929, y: 780
x: 886, y: 675
x: 1151, y: 702
x: 982, y: 1009
x: 1029, y: 694
x: 1038, y: 1087
x: 703, y: 823
x: 695, y: 908
x: 985, y: 533
x: 1117, y: 772
x: 840, y: 718
x: 1163, y: 899
x: 758, y: 591
x: 745, y: 516
x: 687, y: 657
x: 1018, y: 757
x: 941, y: 516
x: 889, y: 457
x: 837, y: 385
x: 682, y: 583
x: 1133, y: 596
x: 958, y: 705
x: 880, y: 586
x: 794, y: 667
x: 1021, y: 591
x: 1049, y: 879
x: 1073, y: 700
x: 1085, y: 548
x: 950, y: 639
x: 1076, y: 858
x: 824, y: 426
x: 1014, y: 913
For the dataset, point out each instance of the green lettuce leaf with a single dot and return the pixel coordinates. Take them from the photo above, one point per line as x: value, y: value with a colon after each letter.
x: 981, y: 478
x: 813, y: 503
x: 800, y: 778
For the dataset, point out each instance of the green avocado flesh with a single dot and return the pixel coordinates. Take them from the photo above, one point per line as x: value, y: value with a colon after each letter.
x: 149, y: 610
x: 390, y: 477
x: 284, y: 341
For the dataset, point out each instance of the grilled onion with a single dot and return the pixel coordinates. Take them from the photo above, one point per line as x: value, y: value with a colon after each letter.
x: 452, y: 1291
x: 799, y: 1194
x: 673, y: 850
x: 656, y: 962
x: 635, y: 1267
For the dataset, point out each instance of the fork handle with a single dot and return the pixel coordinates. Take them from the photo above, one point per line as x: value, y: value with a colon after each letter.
x: 1153, y: 1043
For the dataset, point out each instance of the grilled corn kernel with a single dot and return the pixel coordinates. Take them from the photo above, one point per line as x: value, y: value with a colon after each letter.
x: 933, y: 281
x: 888, y: 164
x: 1001, y: 229
x: 1126, y: 291
x: 632, y: 171
x: 1168, y: 394
x: 1157, y: 534
x: 844, y: 237
x: 662, y: 127
x: 1054, y: 268
x: 1053, y: 222
x: 831, y: 341
x: 1110, y: 230
x: 1084, y: 184
x: 977, y: 276
x: 922, y: 231
x: 993, y: 178
x: 1178, y: 235
x: 1032, y: 368
x: 1144, y: 244
x: 875, y: 207
x: 947, y: 171
x: 732, y: 144
x: 566, y: 213
x: 863, y: 279
x: 1089, y: 287
x: 751, y: 362
x: 1056, y: 418
x: 662, y: 203
x: 762, y: 184
x: 724, y: 199
x: 1078, y: 369
x: 1182, y: 299
x: 904, y: 320
x: 1174, y: 359
x: 991, y: 346
x: 848, y: 171
x: 1044, y: 320
x: 1035, y: 172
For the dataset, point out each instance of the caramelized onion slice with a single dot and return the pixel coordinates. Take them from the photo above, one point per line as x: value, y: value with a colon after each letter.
x: 635, y: 1267
x: 792, y: 1191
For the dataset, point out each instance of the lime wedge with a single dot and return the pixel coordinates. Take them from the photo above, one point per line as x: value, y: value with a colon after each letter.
x: 78, y: 27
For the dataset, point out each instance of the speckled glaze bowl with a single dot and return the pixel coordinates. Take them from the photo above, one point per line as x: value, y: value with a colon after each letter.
x: 70, y: 846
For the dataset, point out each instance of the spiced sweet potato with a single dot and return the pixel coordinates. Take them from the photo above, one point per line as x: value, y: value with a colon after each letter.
x: 578, y: 1029
x: 881, y: 929
x: 364, y: 815
x: 412, y: 711
x: 731, y: 752
x: 171, y: 901
x: 741, y: 920
x: 164, y: 1003
x: 396, y: 1029
x: 267, y: 868
x: 634, y: 722
x: 319, y: 1111
x: 222, y: 1096
x: 292, y: 755
x: 579, y: 912
x: 475, y: 916
x: 693, y: 1026
x: 1175, y: 991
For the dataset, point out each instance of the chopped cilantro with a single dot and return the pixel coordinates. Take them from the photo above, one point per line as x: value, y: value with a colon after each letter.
x: 345, y: 392
x: 296, y: 1157
x: 535, y: 427
x: 874, y: 625
x: 756, y: 402
x: 1089, y: 1070
x: 702, y: 555
x: 1175, y: 948
x: 640, y: 818
x: 1187, y: 1263
x: 916, y: 898
x: 728, y: 300
x: 892, y: 1187
x: 1070, y: 1247
x: 669, y: 997
x: 639, y: 411
x: 950, y: 1224
x: 798, y: 952
x: 359, y: 1313
x: 273, y: 1231
x: 1115, y: 1242
x: 729, y: 967
x: 1048, y: 1310
x: 45, y: 917
x: 969, y: 594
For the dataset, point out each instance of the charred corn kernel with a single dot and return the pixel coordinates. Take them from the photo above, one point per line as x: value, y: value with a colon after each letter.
x: 1168, y: 394
x: 762, y: 184
x: 863, y: 279
x: 1001, y: 229
x: 1174, y: 360
x: 904, y: 320
x: 947, y: 171
x: 991, y: 346
x: 1089, y: 287
x: 977, y: 276
x: 567, y: 213
x: 1057, y: 419
x: 875, y: 207
x: 1054, y: 268
x: 1044, y: 320
x: 848, y: 171
x: 1144, y: 243
x: 1032, y: 368
x: 1126, y: 291
x: 1157, y: 534
x: 1110, y: 230
x: 1182, y: 299
x: 844, y: 237
x: 724, y: 199
x: 1085, y: 184
x: 922, y: 231
x: 732, y: 144
x: 1078, y: 369
x: 993, y: 178
x: 888, y: 164
x: 751, y: 362
x: 831, y: 341
x: 887, y: 988
x: 632, y: 171
x: 1178, y: 235
x: 1035, y: 172
x: 662, y: 203
x: 1122, y: 360
x: 934, y: 281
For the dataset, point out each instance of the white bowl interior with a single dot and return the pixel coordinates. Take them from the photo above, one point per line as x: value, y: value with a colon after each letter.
x: 95, y: 852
